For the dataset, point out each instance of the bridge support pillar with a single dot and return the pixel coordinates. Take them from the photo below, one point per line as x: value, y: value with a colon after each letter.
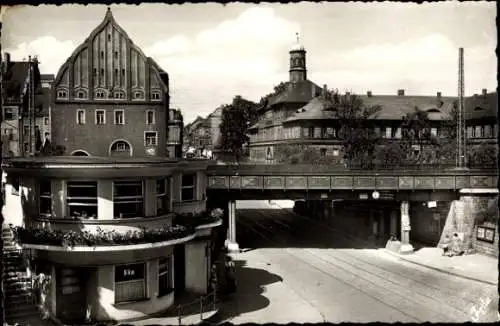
x: 231, y: 244
x: 406, y: 247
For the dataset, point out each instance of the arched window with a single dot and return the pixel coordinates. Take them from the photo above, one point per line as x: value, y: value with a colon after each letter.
x: 80, y: 153
x: 120, y: 148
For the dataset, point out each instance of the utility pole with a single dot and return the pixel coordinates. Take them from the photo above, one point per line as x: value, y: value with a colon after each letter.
x: 461, y: 127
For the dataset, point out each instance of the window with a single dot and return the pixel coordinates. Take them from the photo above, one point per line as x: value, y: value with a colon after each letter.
x: 162, y: 198
x: 377, y: 131
x: 109, y: 37
x: 137, y: 95
x: 46, y: 121
x: 102, y: 54
x: 150, y: 117
x: 102, y: 71
x: 477, y: 134
x: 323, y: 151
x: 130, y: 282
x: 26, y: 130
x: 188, y: 187
x: 128, y: 199
x: 174, y: 134
x: 81, y: 199
x: 434, y: 132
x: 317, y: 132
x: 397, y: 133
x: 80, y: 94
x: 388, y: 132
x: 26, y: 147
x: 100, y: 117
x: 470, y: 132
x: 123, y: 72
x: 45, y: 198
x: 150, y: 138
x: 119, y: 117
x: 99, y: 94
x: 164, y: 276
x: 9, y: 114
x: 116, y: 73
x: 155, y: 96
x: 116, y: 54
x: 80, y: 117
x: 62, y: 94
x: 120, y: 146
x: 95, y: 71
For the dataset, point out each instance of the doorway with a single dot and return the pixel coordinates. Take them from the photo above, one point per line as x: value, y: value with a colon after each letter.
x: 179, y: 270
x: 71, y: 294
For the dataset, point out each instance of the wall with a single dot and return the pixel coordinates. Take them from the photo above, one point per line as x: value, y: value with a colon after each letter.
x: 192, y: 206
x: 96, y: 139
x: 19, y: 204
x: 483, y: 247
x: 106, y: 307
x: 427, y: 223
x: 196, y: 267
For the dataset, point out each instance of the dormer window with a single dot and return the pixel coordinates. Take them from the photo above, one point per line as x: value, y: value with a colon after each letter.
x: 80, y: 94
x: 62, y: 94
x: 99, y: 95
x: 478, y: 108
x: 138, y: 95
x: 155, y: 96
x: 119, y: 95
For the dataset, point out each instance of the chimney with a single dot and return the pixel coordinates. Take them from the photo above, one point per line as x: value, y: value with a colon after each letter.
x: 401, y: 92
x: 439, y: 95
x: 485, y: 91
x: 369, y: 93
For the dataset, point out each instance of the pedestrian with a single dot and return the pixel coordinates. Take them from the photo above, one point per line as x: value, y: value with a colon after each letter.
x: 446, y: 246
x: 456, y: 245
x: 230, y: 275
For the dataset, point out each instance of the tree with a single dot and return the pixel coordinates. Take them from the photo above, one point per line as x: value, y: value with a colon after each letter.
x: 237, y: 117
x: 357, y: 138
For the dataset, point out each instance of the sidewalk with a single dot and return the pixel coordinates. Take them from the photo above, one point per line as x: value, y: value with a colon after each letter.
x: 476, y: 267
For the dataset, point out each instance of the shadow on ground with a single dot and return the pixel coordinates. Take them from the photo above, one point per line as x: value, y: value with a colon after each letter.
x: 248, y: 296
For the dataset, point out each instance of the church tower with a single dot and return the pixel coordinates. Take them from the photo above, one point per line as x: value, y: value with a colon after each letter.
x: 298, y: 71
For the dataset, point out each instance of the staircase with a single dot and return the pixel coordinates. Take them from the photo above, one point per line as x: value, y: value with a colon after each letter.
x: 20, y: 302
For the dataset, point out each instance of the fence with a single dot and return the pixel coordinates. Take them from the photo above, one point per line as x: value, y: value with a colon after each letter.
x: 199, y: 306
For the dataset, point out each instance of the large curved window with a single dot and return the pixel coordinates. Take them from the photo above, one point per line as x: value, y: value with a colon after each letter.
x: 128, y: 199
x: 120, y: 148
x: 45, y: 198
x: 81, y: 199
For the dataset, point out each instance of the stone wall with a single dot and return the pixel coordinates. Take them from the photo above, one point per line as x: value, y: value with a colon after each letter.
x: 483, y: 247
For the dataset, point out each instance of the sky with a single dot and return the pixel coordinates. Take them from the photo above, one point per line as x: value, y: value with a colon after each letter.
x: 214, y: 52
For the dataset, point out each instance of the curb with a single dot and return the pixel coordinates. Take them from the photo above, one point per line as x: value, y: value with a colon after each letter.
x: 440, y: 269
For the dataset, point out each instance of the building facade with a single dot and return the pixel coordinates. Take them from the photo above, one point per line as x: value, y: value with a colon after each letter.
x: 111, y: 95
x: 118, y: 225
x: 203, y: 134
x: 301, y: 117
x: 25, y: 130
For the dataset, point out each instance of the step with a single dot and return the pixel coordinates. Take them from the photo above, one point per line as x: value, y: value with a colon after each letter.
x: 30, y: 310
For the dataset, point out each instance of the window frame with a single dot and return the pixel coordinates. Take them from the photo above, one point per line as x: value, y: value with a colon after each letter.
x: 164, y: 197
x: 146, y: 144
x: 46, y: 121
x: 61, y: 94
x: 129, y: 199
x: 118, y: 284
x: 153, y: 120
x: 168, y: 274
x: 82, y: 201
x: 186, y: 187
x: 155, y: 96
x: 115, y: 116
x: 78, y: 120
x: 45, y: 197
x: 103, y: 111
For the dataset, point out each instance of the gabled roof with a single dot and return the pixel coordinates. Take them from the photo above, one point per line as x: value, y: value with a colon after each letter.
x: 14, y: 77
x: 481, y: 106
x: 393, y: 107
x: 298, y: 92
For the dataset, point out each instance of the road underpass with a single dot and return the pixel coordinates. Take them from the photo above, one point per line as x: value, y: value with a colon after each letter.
x: 295, y: 268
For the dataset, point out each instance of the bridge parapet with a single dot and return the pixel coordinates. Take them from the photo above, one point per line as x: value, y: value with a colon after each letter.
x: 258, y: 178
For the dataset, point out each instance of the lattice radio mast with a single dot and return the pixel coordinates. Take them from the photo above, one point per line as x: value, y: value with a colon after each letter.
x: 461, y: 128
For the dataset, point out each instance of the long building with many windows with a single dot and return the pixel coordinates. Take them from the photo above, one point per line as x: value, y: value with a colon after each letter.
x: 299, y: 116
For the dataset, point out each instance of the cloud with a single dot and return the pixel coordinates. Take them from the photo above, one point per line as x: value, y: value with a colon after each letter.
x: 238, y: 56
x: 421, y: 66
x: 51, y: 52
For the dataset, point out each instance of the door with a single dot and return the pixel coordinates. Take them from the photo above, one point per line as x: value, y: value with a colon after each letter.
x: 71, y: 296
x: 179, y: 269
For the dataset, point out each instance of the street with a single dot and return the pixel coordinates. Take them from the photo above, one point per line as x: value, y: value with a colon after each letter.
x: 293, y: 269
